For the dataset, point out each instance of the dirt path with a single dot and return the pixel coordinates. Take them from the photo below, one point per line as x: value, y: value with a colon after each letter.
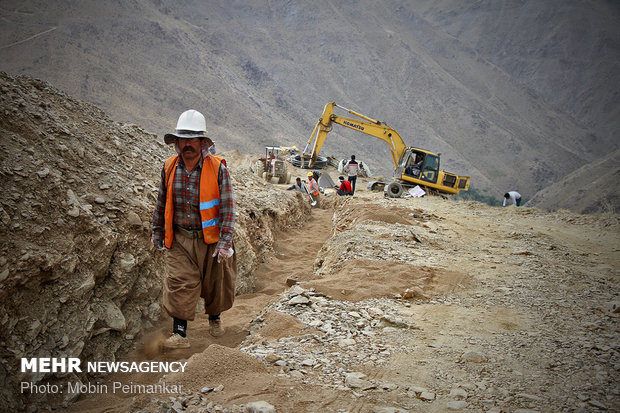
x: 293, y: 257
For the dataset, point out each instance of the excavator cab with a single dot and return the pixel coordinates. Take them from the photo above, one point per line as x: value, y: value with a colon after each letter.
x: 410, y: 164
x: 430, y: 169
x: 419, y: 165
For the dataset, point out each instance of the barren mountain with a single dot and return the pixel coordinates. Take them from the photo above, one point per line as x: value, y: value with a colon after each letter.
x: 515, y: 94
x: 572, y: 190
x: 565, y: 51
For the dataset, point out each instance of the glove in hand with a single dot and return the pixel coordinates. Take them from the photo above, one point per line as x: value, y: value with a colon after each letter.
x: 223, y: 253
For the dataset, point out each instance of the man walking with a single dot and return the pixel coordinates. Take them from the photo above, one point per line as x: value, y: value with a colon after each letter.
x: 194, y: 222
x: 351, y: 169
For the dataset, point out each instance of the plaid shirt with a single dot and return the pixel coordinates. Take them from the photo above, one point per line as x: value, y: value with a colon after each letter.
x: 185, y: 193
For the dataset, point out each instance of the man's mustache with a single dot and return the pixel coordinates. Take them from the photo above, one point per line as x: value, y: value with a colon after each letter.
x: 188, y: 149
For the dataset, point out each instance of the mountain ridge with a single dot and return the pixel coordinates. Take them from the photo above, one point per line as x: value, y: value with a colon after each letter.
x: 262, y: 72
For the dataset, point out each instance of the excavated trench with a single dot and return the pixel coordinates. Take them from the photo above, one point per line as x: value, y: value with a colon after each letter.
x: 94, y: 288
x: 287, y: 252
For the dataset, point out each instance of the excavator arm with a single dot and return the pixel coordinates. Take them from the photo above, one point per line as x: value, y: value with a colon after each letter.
x: 367, y: 125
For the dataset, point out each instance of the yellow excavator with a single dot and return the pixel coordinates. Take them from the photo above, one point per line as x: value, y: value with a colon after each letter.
x: 413, y: 166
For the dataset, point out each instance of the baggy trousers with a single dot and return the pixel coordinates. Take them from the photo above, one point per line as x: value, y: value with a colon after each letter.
x: 193, y: 272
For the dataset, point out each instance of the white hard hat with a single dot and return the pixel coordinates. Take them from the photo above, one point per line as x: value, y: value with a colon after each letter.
x: 191, y: 124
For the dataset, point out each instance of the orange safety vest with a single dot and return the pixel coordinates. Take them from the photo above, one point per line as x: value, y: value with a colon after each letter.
x: 209, y: 196
x: 314, y: 187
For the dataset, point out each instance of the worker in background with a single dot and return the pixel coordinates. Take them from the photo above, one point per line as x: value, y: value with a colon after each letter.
x: 272, y: 162
x: 296, y: 186
x: 194, y: 222
x: 344, y: 188
x: 351, y: 169
x: 512, y: 198
x: 313, y: 187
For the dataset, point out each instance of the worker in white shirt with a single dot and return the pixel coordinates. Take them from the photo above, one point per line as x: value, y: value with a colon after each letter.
x: 512, y: 198
x: 351, y: 169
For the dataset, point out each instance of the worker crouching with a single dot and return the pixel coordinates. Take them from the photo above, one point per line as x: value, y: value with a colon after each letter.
x: 345, y: 187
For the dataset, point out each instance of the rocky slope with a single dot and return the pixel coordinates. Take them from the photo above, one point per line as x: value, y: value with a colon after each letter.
x: 531, y: 43
x: 572, y: 189
x: 78, y: 275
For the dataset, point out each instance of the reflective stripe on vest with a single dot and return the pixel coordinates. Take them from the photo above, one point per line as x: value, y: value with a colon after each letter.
x: 209, y: 196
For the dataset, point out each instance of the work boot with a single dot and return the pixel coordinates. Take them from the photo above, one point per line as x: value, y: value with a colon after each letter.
x: 176, y: 341
x: 215, y: 327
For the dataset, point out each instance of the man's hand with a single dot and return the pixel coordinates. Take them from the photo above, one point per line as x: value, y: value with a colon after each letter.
x: 158, y: 244
x: 223, y: 253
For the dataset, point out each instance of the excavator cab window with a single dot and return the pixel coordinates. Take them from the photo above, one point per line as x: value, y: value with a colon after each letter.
x: 404, y: 159
x: 414, y: 164
x: 430, y: 170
